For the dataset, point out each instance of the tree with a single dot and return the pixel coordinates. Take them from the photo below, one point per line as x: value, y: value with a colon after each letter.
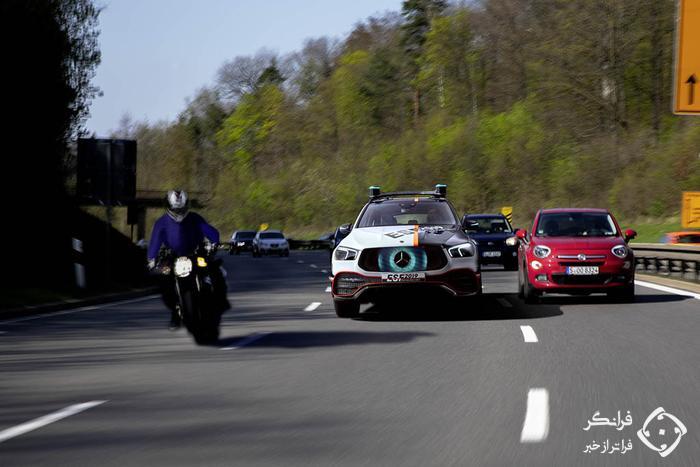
x: 50, y: 52
x: 418, y: 15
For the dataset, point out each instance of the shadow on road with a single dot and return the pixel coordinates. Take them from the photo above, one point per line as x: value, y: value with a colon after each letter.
x: 306, y: 339
x: 485, y: 308
x: 604, y: 300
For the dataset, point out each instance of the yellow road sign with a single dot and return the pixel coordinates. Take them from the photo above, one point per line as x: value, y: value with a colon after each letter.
x: 263, y: 227
x: 686, y: 91
x: 690, y: 210
x: 508, y: 212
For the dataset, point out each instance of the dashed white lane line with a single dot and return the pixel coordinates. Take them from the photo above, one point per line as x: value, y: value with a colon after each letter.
x: 312, y: 306
x: 536, y: 424
x: 247, y: 341
x: 505, y: 303
x: 528, y: 334
x: 328, y: 289
x: 324, y: 271
x: 32, y: 425
x: 300, y: 261
x: 663, y: 288
x: 78, y: 310
x: 313, y: 266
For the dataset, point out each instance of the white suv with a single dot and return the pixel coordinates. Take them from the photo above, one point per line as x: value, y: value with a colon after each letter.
x: 404, y: 243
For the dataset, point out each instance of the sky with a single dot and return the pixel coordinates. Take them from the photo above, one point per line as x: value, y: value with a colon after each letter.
x: 157, y: 53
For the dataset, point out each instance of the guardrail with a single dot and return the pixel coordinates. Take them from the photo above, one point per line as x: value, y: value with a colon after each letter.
x: 678, y: 261
x: 309, y: 244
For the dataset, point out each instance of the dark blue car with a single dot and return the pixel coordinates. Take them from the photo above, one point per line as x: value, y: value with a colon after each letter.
x: 492, y: 233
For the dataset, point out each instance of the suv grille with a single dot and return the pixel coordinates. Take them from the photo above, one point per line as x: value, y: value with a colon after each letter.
x: 425, y: 258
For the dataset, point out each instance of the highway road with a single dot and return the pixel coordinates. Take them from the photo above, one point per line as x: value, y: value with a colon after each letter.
x: 492, y: 383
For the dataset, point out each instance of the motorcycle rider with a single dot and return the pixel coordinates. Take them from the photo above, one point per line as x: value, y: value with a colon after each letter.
x: 182, y: 232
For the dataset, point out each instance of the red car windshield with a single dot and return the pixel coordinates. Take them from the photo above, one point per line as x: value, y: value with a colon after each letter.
x: 575, y: 224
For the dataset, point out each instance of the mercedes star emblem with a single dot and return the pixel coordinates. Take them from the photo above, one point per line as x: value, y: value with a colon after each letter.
x: 401, y: 259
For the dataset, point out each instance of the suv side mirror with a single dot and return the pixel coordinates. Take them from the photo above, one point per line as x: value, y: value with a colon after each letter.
x: 630, y: 234
x: 345, y: 229
x: 521, y: 234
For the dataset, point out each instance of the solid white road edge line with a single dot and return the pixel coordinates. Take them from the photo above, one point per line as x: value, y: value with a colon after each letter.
x: 248, y: 340
x: 536, y: 425
x: 78, y: 310
x: 46, y: 420
x: 528, y: 334
x: 664, y: 288
x: 312, y: 306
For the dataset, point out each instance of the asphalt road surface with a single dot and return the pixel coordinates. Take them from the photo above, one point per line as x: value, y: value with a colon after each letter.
x: 494, y: 383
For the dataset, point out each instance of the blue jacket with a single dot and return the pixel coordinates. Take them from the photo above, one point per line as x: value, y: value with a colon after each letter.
x: 181, y: 237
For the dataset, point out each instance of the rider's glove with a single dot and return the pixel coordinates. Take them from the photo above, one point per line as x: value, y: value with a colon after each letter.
x: 151, y: 264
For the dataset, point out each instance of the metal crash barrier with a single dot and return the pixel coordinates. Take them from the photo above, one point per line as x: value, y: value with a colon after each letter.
x: 678, y: 261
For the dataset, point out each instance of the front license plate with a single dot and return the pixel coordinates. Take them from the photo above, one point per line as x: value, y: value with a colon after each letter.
x: 582, y: 270
x: 403, y: 277
x: 492, y: 254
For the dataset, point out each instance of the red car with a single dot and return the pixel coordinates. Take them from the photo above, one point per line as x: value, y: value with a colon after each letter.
x: 575, y: 251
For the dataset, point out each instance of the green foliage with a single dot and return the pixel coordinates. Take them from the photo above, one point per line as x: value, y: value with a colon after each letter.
x: 524, y: 103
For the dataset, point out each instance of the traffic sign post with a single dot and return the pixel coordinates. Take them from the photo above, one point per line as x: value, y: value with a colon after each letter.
x: 690, y: 210
x: 686, y: 98
x: 508, y: 212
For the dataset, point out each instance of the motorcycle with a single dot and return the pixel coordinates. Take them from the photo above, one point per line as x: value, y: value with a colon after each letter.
x: 194, y: 289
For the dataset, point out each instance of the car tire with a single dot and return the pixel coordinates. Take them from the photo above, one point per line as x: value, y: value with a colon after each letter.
x: 530, y: 295
x: 347, y: 308
x: 510, y: 266
x: 256, y: 254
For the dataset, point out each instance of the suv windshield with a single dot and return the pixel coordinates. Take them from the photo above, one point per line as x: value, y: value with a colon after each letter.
x: 408, y: 212
x: 487, y: 225
x: 271, y: 235
x: 576, y: 224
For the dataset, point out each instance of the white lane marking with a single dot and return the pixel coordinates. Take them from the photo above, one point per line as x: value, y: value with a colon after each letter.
x: 664, y: 288
x: 528, y: 334
x: 3, y: 332
x: 536, y: 425
x: 248, y: 340
x: 324, y: 271
x: 505, y: 303
x: 300, y: 261
x: 78, y: 310
x: 328, y: 289
x: 46, y: 420
x: 312, y: 306
x: 313, y: 266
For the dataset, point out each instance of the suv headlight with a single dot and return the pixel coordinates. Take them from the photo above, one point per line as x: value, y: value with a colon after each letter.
x: 541, y: 251
x: 345, y: 254
x: 620, y: 251
x: 465, y: 250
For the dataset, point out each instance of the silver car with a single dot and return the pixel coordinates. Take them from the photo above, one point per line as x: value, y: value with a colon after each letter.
x: 270, y: 242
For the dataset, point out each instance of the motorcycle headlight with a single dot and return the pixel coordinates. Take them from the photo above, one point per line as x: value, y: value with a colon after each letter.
x: 541, y: 251
x: 512, y: 241
x: 345, y: 254
x: 183, y: 266
x: 201, y: 262
x: 620, y: 251
x: 465, y: 250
